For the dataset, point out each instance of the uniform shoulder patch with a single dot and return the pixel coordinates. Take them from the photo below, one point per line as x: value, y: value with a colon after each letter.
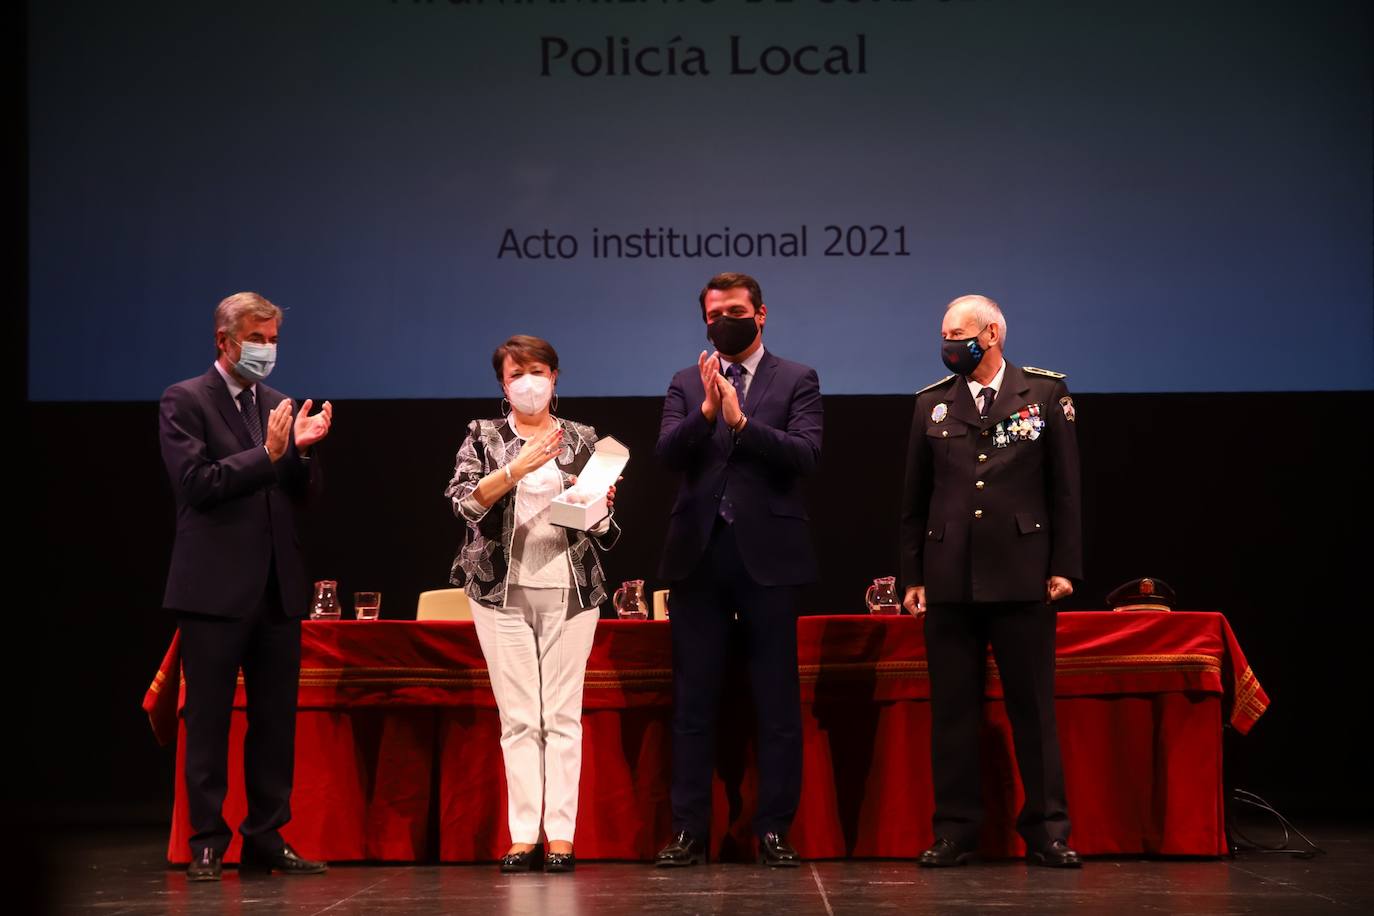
x: 1047, y: 373
x: 933, y: 385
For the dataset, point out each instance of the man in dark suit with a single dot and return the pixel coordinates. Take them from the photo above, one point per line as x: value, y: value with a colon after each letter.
x: 239, y: 468
x: 991, y: 534
x: 738, y: 544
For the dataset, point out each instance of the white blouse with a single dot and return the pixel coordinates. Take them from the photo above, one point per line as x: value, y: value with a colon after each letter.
x: 539, y: 549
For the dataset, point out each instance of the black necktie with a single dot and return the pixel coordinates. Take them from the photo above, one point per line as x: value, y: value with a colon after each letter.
x: 986, y: 395
x: 250, y: 415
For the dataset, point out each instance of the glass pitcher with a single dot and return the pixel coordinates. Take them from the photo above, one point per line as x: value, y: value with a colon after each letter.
x: 326, y: 603
x: 881, y: 596
x: 629, y: 600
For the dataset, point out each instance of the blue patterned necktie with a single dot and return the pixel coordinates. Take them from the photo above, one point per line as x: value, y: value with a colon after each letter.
x: 250, y: 415
x: 735, y: 372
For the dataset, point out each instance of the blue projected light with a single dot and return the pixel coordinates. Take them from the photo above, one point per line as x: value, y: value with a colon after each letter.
x: 1162, y: 195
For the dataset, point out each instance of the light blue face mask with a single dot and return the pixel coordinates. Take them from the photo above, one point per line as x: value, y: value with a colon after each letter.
x: 255, y: 360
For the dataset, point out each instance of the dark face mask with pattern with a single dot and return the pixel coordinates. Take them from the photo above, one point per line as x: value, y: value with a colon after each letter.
x: 963, y: 356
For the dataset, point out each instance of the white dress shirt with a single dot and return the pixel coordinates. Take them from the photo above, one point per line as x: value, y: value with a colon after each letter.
x: 976, y: 388
x: 235, y: 389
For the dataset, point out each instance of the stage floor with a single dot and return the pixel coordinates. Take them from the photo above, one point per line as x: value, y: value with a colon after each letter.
x: 124, y: 872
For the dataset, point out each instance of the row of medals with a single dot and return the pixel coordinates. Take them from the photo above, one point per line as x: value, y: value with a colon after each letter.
x: 1025, y: 424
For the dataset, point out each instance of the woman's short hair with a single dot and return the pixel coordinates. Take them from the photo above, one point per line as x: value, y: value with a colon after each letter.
x: 524, y: 349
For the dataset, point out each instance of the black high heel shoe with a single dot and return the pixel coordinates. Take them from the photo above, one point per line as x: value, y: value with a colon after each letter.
x: 559, y: 861
x: 513, y: 862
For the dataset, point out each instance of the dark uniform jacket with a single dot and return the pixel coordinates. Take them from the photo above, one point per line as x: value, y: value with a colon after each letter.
x: 990, y: 508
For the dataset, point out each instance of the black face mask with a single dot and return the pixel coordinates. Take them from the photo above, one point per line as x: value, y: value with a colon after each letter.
x: 962, y: 356
x: 732, y: 335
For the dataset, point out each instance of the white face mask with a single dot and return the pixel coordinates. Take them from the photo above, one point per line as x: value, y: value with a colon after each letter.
x: 530, y: 393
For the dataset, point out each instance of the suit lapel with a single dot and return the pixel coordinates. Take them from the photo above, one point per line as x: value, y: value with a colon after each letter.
x: 961, y: 405
x: 1011, y: 397
x: 228, y: 410
x: 762, y: 378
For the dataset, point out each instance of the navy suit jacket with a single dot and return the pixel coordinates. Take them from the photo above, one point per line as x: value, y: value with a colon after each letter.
x: 236, y: 508
x: 760, y: 471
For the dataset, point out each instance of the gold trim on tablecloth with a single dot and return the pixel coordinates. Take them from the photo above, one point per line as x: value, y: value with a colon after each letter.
x: 602, y: 679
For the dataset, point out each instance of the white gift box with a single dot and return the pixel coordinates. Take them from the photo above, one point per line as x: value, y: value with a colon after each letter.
x: 583, y: 506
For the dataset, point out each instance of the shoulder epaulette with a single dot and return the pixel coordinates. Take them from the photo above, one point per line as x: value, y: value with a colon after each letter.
x: 933, y: 385
x: 1047, y: 373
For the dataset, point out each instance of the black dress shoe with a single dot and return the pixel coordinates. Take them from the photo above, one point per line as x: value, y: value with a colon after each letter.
x: 945, y: 853
x: 682, y: 850
x: 513, y: 862
x: 206, y: 866
x: 775, y: 852
x: 559, y: 861
x: 1056, y: 855
x: 284, y: 860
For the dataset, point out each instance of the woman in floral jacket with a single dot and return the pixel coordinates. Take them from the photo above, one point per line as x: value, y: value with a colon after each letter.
x: 535, y: 589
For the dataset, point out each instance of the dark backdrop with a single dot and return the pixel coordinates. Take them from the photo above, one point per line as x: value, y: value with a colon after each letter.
x: 1253, y: 504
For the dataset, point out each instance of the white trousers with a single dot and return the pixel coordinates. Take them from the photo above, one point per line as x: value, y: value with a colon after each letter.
x: 536, y: 649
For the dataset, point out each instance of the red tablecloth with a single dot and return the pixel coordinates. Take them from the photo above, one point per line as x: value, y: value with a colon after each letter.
x: 398, y: 758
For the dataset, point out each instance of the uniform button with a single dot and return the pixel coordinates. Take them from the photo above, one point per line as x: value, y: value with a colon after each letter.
x: 977, y: 513
x: 980, y: 485
x: 986, y: 433
x: 945, y: 433
x: 982, y: 458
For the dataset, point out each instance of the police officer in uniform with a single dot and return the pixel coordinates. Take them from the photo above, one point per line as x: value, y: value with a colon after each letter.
x: 991, y: 536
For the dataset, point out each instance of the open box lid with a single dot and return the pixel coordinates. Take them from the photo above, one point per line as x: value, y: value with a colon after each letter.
x: 605, y: 465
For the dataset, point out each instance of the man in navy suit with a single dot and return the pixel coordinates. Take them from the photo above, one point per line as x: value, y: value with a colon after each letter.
x: 738, y: 544
x: 239, y: 468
